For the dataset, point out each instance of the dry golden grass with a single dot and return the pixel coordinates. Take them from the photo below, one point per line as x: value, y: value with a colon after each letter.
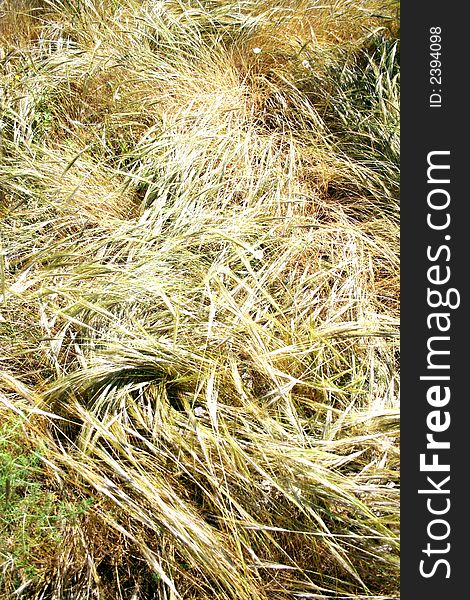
x: 199, y: 299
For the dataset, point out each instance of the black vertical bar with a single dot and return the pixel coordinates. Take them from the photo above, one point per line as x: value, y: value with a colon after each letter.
x: 435, y: 246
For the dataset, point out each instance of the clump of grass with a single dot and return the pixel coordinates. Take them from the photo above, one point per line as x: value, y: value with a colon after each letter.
x: 199, y: 298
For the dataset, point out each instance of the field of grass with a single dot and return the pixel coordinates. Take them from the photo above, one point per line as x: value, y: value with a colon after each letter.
x: 199, y: 299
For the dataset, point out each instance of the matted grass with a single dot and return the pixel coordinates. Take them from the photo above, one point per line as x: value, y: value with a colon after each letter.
x: 199, y: 299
